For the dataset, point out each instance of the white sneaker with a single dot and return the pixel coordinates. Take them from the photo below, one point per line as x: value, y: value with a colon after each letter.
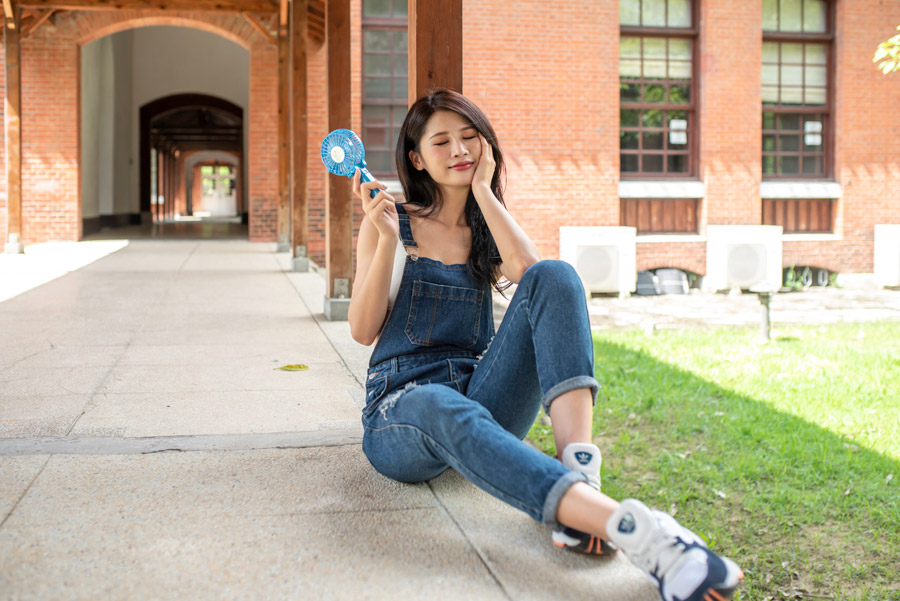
x: 675, y: 559
x: 582, y: 457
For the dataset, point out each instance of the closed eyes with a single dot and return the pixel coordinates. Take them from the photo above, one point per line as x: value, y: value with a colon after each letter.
x: 445, y: 141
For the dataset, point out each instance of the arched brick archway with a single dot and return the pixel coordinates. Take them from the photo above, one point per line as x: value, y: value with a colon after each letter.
x: 50, y: 61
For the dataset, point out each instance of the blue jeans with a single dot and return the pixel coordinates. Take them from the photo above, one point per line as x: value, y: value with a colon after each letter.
x: 471, y: 414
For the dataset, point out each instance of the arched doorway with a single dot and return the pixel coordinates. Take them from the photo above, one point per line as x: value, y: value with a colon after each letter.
x: 171, y: 130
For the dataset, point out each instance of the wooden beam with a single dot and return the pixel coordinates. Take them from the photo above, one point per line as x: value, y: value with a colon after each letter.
x: 284, y: 148
x: 260, y: 28
x: 232, y: 6
x: 299, y: 131
x: 338, y: 202
x: 283, y: 15
x: 28, y: 29
x: 435, y: 46
x: 9, y: 14
x: 14, y: 242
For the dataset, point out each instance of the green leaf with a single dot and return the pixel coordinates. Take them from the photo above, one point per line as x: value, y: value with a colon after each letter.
x: 295, y: 367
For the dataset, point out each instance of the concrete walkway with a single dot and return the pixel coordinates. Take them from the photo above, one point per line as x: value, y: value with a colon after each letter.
x: 150, y: 449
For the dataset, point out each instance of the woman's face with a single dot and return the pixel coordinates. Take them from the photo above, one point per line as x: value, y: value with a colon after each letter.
x: 449, y: 149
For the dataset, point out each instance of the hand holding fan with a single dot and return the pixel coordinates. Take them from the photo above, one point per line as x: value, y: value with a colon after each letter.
x: 343, y: 153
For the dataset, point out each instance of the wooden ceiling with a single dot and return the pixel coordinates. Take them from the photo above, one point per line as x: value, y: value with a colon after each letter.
x: 262, y: 15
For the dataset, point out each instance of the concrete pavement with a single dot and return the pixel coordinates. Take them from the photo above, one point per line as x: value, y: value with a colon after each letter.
x: 151, y: 449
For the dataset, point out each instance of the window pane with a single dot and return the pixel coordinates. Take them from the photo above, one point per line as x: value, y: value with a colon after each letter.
x: 770, y: 52
x: 654, y: 69
x: 679, y: 49
x: 814, y: 96
x: 628, y: 162
x: 815, y: 76
x: 792, y: 53
x: 629, y: 68
x: 653, y: 13
x: 770, y: 15
x: 788, y: 165
x: 768, y: 120
x: 628, y: 140
x: 377, y: 40
x: 678, y: 163
x: 677, y: 115
x: 379, y: 161
x: 789, y: 143
x: 680, y: 94
x: 400, y: 41
x: 630, y: 47
x: 377, y: 88
x: 770, y: 95
x: 769, y: 165
x: 652, y: 118
x: 654, y: 48
x: 375, y: 137
x: 629, y: 118
x: 679, y: 13
x: 770, y: 75
x: 655, y: 94
x: 376, y: 115
x: 652, y: 163
x: 789, y: 122
x: 401, y: 89
x: 653, y: 140
x: 399, y: 114
x: 679, y: 70
x: 377, y: 8
x: 791, y: 95
x: 791, y: 75
x: 812, y: 166
x: 790, y: 15
x: 378, y: 64
x: 629, y: 92
x: 630, y: 12
x: 768, y: 144
x: 816, y: 54
x: 814, y: 16
x: 401, y: 65
x: 400, y: 8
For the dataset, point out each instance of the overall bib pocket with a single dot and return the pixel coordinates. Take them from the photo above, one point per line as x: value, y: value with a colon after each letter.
x: 443, y: 315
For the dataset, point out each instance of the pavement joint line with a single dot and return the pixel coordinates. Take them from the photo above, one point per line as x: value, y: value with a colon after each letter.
x: 481, y: 557
x: 107, y: 445
x: 24, y: 492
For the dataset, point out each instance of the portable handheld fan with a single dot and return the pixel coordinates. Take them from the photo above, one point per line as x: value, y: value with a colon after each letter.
x: 343, y: 153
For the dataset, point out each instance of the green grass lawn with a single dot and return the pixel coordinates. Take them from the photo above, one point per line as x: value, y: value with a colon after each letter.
x: 784, y: 456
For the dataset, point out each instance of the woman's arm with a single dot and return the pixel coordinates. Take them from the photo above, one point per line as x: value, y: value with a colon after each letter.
x: 375, y: 249
x: 517, y: 251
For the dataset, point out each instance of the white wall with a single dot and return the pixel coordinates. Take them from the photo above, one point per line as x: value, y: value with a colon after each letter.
x: 123, y: 71
x: 180, y: 60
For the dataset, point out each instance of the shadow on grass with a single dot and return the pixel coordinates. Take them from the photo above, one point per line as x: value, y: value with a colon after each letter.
x: 805, y: 512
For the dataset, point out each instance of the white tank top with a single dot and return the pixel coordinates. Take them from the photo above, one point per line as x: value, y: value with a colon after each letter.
x: 397, y: 273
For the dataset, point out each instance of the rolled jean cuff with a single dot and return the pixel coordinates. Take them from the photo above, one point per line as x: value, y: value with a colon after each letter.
x: 567, y: 385
x: 551, y: 503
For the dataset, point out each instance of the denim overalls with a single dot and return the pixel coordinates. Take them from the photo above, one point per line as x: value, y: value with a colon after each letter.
x: 438, y: 397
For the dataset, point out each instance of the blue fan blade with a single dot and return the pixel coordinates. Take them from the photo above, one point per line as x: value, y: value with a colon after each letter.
x: 343, y: 153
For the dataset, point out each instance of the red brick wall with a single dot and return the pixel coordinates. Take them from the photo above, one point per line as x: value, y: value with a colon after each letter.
x: 546, y: 75
x: 50, y: 89
x: 730, y: 111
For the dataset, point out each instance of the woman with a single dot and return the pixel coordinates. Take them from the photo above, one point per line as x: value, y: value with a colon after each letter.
x: 438, y: 397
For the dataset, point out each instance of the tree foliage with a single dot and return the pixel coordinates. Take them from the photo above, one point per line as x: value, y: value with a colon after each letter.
x: 887, y: 55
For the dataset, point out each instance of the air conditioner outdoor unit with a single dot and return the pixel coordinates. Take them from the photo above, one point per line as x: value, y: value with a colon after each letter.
x: 742, y: 256
x: 887, y: 255
x: 603, y: 256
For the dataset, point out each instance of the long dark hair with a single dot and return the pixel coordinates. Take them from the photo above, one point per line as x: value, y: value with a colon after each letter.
x: 423, y: 192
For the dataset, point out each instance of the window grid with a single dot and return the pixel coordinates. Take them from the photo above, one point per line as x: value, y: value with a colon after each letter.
x: 385, y: 81
x: 797, y: 76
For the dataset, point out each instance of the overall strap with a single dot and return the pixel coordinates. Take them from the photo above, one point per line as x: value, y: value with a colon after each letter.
x: 406, y: 237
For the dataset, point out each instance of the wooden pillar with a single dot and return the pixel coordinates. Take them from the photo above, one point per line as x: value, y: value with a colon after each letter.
x: 299, y: 132
x: 14, y: 242
x: 435, y: 46
x: 284, y: 148
x: 160, y: 190
x: 338, y: 201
